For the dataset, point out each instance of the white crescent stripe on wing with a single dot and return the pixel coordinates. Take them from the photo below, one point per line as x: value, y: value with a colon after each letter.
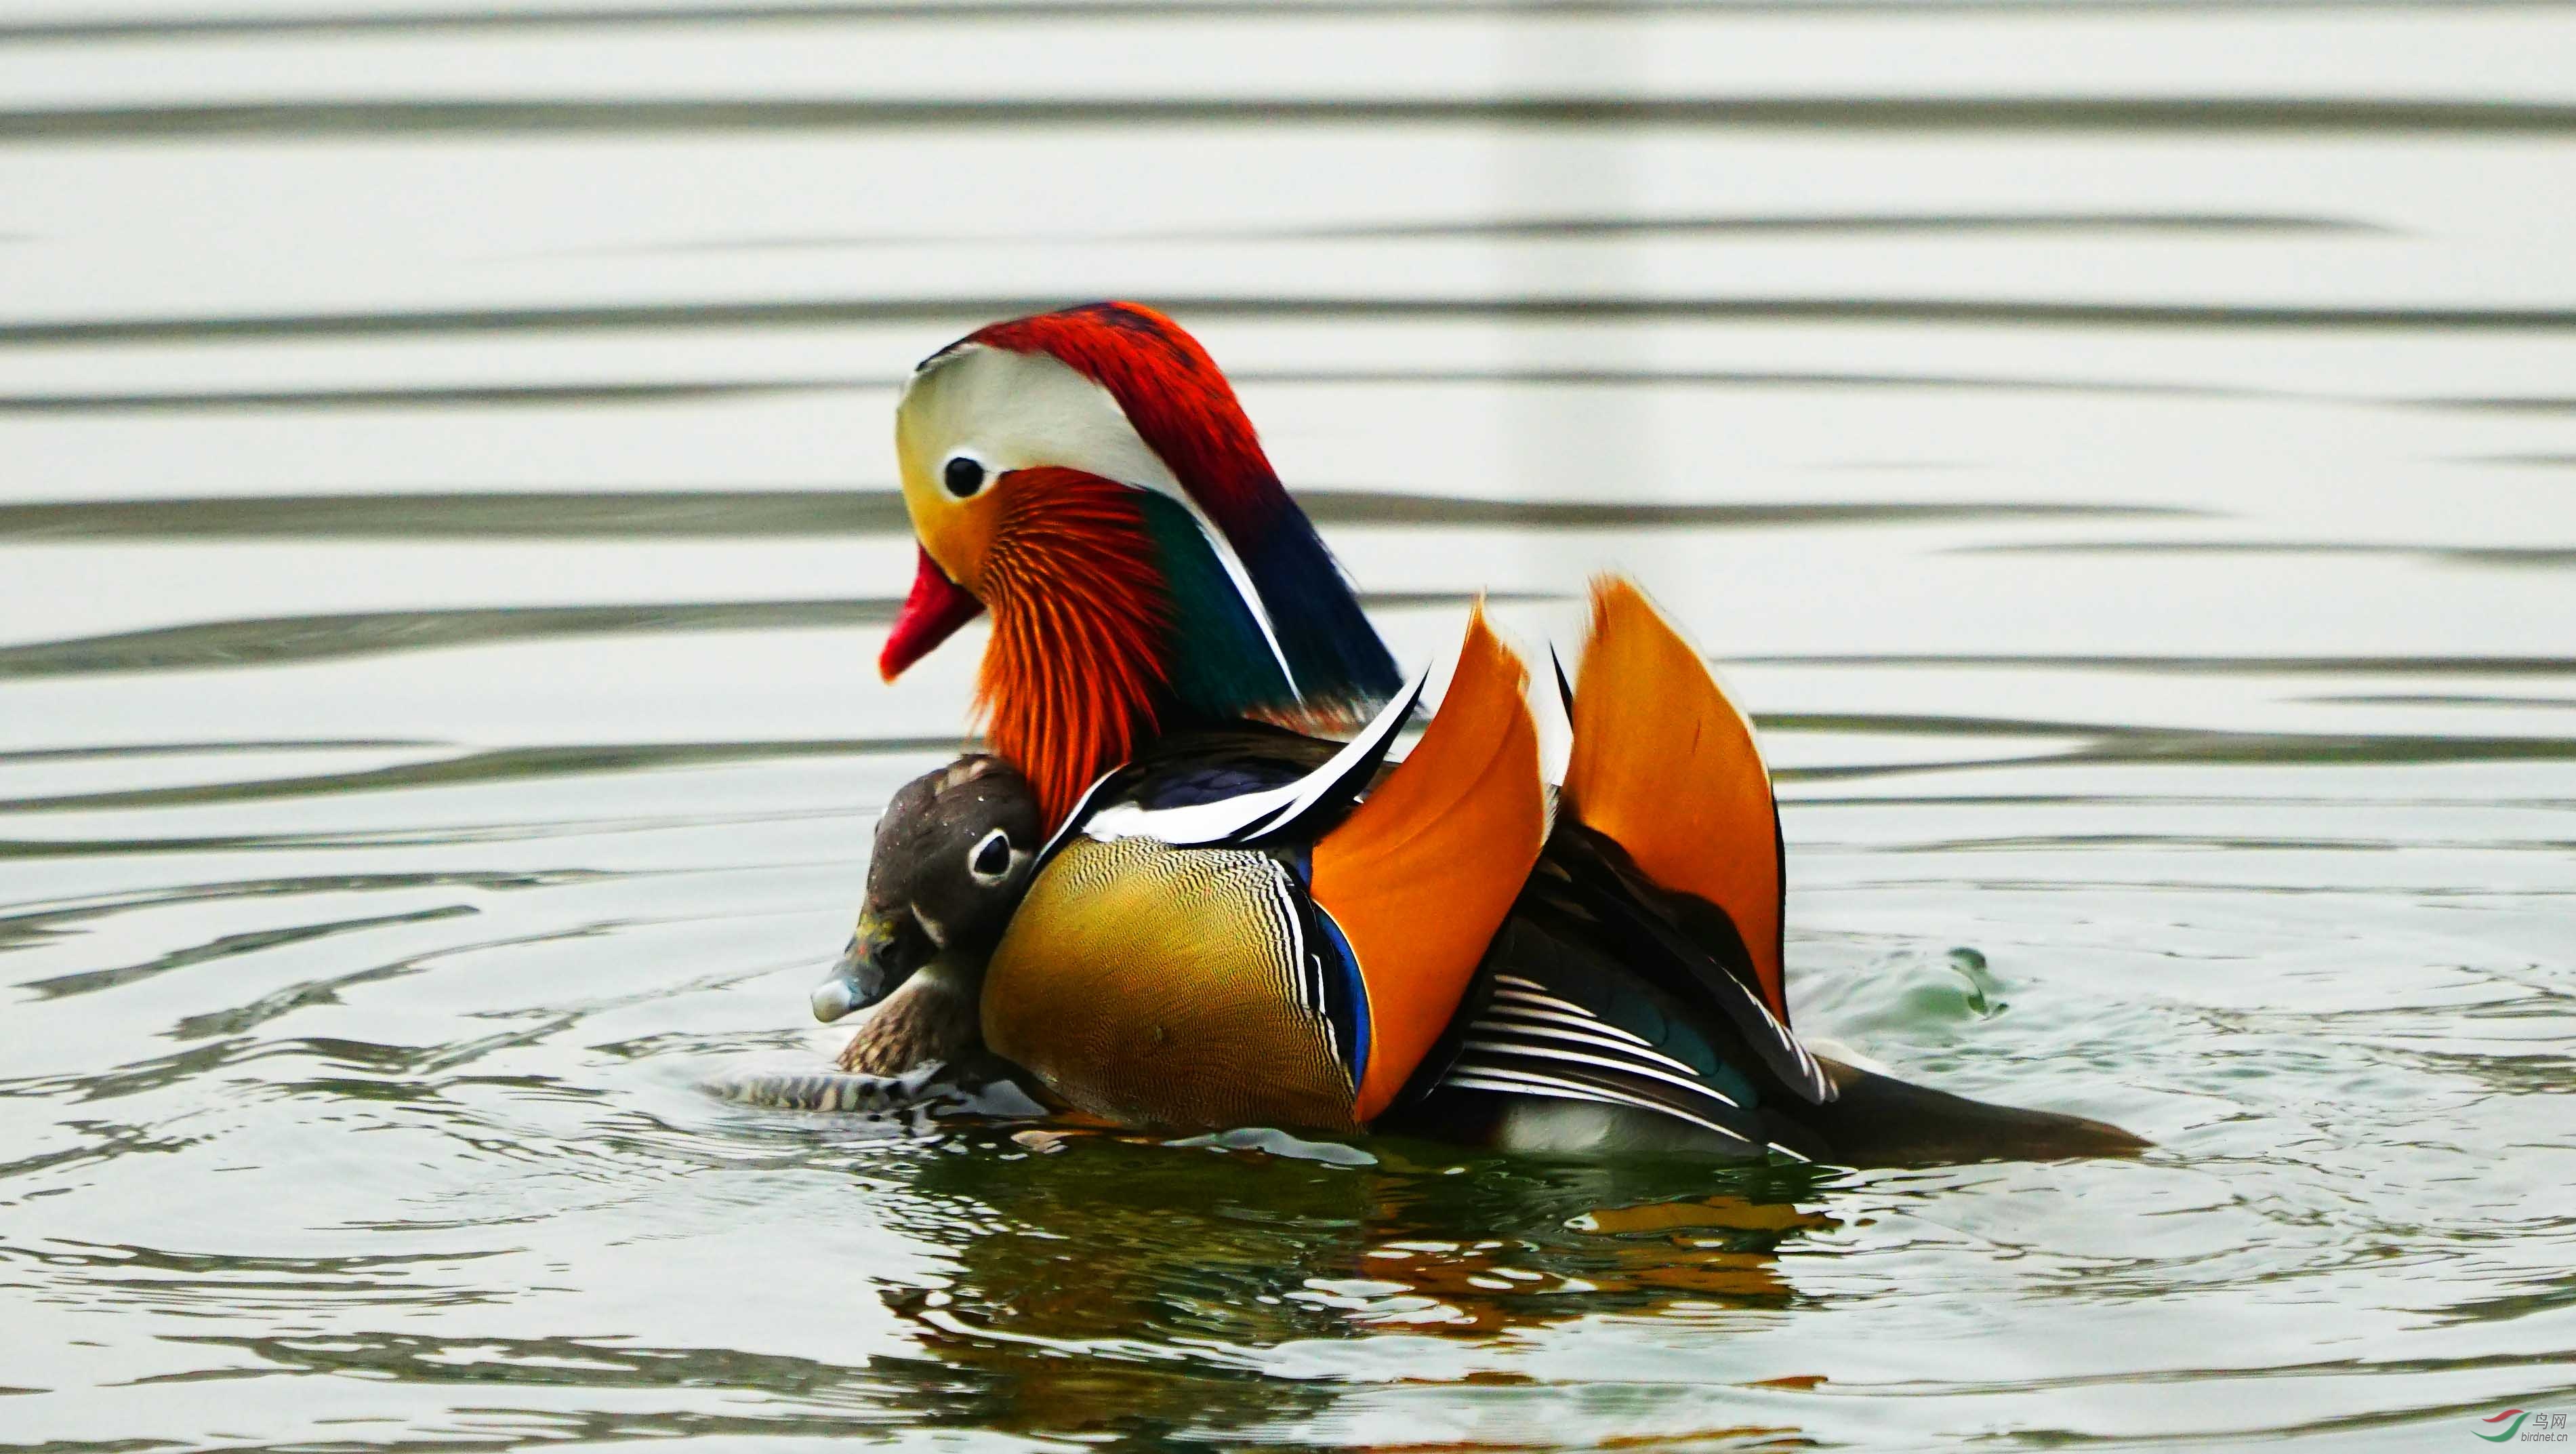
x: 1549, y: 1052
x: 1246, y: 815
x: 1523, y: 1002
x: 1527, y: 1022
x: 1532, y: 1083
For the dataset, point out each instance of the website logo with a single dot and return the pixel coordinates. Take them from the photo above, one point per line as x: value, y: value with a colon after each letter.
x: 2526, y: 1426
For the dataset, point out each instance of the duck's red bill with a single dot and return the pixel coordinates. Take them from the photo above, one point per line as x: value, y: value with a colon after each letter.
x: 931, y: 614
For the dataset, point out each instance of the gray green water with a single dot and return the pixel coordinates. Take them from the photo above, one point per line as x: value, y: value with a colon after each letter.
x: 2125, y: 454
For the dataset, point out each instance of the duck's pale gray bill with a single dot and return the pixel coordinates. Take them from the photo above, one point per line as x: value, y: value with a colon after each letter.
x: 884, y: 952
x: 836, y: 996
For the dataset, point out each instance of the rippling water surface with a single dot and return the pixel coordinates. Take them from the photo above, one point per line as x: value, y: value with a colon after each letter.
x: 2126, y: 454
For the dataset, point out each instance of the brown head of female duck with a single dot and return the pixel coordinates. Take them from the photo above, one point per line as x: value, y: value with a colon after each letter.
x: 952, y: 859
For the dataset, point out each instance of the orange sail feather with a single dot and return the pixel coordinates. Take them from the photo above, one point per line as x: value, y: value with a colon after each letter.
x: 1665, y: 765
x: 1420, y: 876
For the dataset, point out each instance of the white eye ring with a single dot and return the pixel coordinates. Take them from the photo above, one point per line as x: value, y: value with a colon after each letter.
x: 983, y: 849
x: 964, y: 475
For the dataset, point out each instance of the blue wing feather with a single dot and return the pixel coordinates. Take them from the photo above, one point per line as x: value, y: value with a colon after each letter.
x: 1345, y: 993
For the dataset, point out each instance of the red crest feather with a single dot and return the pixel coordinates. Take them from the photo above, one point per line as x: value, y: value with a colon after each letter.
x: 1174, y: 395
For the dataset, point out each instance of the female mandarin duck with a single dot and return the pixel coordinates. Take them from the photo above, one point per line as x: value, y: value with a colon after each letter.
x: 1234, y: 923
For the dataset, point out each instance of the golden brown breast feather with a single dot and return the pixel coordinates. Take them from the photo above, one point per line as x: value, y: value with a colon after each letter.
x: 1158, y: 986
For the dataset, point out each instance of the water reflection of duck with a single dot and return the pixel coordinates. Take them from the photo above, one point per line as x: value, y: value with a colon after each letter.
x: 1242, y: 924
x: 1117, y: 1289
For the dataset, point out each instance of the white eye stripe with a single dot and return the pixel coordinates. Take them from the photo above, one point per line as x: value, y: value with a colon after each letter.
x: 1029, y: 409
x: 931, y: 928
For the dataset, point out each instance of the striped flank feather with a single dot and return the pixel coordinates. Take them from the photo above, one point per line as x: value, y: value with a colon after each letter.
x: 1527, y: 1040
x: 1685, y: 946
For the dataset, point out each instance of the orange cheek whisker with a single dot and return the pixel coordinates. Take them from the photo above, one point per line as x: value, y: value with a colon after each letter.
x: 1075, y: 677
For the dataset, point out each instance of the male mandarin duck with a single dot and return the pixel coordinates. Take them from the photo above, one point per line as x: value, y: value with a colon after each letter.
x: 1233, y: 923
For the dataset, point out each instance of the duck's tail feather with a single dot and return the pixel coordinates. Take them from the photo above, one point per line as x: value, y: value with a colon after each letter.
x: 1420, y: 876
x: 1665, y: 765
x: 1878, y: 1120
